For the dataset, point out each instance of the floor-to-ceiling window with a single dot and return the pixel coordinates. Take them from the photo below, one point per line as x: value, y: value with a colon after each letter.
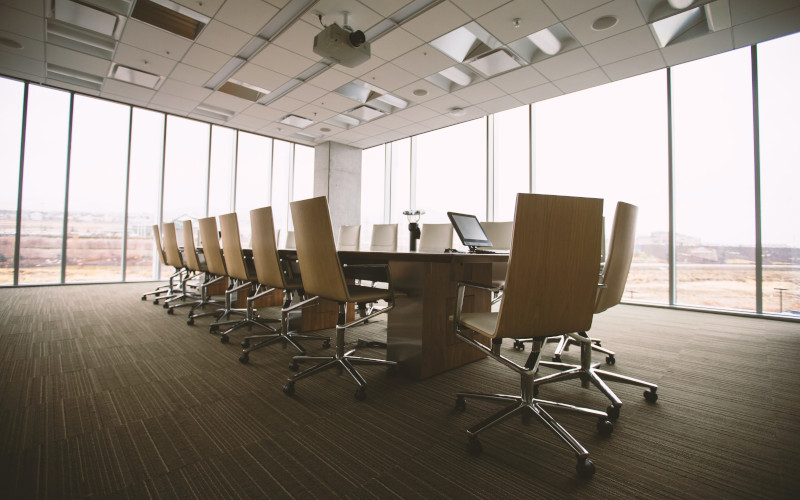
x: 282, y: 160
x: 714, y: 181
x: 779, y: 124
x: 400, y: 193
x: 223, y: 167
x: 253, y: 176
x: 44, y: 185
x: 511, y: 161
x: 96, y: 194
x: 610, y: 142
x: 373, y: 178
x: 11, y: 102
x: 144, y: 193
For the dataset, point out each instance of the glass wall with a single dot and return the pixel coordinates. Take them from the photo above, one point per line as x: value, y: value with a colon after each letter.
x: 400, y: 189
x: 11, y: 100
x: 223, y: 169
x: 779, y: 125
x: 373, y: 179
x: 46, y: 146
x: 144, y: 193
x: 623, y: 156
x: 253, y: 175
x: 714, y: 182
x: 282, y: 159
x: 512, y: 162
x: 96, y: 196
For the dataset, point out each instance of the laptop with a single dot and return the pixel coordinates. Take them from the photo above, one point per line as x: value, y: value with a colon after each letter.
x: 470, y: 231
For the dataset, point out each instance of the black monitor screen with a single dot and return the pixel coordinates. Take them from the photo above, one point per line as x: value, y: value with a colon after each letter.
x: 469, y: 229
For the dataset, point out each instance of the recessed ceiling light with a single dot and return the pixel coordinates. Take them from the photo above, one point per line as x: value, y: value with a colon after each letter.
x: 456, y: 112
x: 420, y: 92
x: 12, y: 44
x: 604, y: 23
x: 295, y: 121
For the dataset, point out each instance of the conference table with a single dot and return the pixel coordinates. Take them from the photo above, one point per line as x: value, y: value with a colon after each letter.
x: 420, y: 334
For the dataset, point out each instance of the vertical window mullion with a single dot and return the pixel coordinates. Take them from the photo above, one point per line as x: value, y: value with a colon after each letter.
x: 490, y: 167
x: 757, y: 177
x: 671, y: 196
x: 19, y: 182
x: 127, y: 196
x: 412, y: 181
x: 66, y: 190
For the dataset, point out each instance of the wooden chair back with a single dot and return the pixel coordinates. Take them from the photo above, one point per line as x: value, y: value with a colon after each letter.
x: 209, y: 238
x: 316, y: 250
x: 265, y: 252
x: 384, y: 238
x: 619, y: 257
x: 232, y: 246
x: 435, y: 237
x: 159, y: 248
x: 551, y: 284
x: 349, y: 238
x: 189, y: 250
x: 171, y: 249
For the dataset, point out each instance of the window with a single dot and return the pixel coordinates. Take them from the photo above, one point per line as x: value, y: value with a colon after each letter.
x: 373, y: 176
x: 512, y: 172
x: 282, y: 159
x: 12, y: 94
x: 610, y: 142
x: 144, y: 193
x: 185, y: 170
x: 779, y: 122
x: 223, y: 165
x: 253, y: 173
x: 713, y: 178
x: 46, y: 141
x: 401, y: 189
x: 96, y: 202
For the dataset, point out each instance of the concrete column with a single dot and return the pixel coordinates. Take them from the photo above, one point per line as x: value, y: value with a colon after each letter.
x: 337, y: 175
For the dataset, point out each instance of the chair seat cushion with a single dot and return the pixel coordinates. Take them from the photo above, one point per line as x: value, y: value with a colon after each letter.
x: 359, y: 293
x: 481, y: 322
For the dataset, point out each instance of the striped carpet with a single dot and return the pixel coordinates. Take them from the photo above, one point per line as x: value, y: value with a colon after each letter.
x: 103, y: 395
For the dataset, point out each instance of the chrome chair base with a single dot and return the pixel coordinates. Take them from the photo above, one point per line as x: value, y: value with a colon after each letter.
x: 343, y: 360
x: 589, y: 374
x: 564, y: 343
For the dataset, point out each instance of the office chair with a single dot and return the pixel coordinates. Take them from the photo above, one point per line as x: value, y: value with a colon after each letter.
x: 324, y: 277
x: 550, y: 289
x: 174, y: 259
x: 198, y: 266
x: 349, y: 238
x: 499, y: 234
x: 241, y: 274
x: 215, y: 264
x: 612, y: 280
x: 290, y: 244
x: 435, y: 237
x: 273, y: 274
x: 384, y: 238
x: 167, y: 289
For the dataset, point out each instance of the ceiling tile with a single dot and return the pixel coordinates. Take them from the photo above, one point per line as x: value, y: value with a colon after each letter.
x: 190, y: 74
x: 479, y: 92
x: 437, y: 21
x: 330, y: 79
x: 387, y: 7
x: 388, y: 77
x: 445, y: 103
x: 500, y: 104
x: 117, y: 87
x: 416, y: 114
x: 626, y: 11
x: 205, y: 58
x: 702, y: 46
x: 359, y: 17
x: 540, y: 93
x: 260, y: 77
x: 743, y: 11
x: 247, y: 15
x: 565, y: 9
x: 77, y: 60
x: 306, y: 92
x: 635, y: 65
x: 299, y: 38
x: 176, y: 88
x: 263, y: 112
x: 424, y: 61
x: 206, y: 7
x: 223, y: 38
x: 287, y: 104
x: 175, y: 101
x: 477, y: 8
x: 143, y: 36
x: 629, y: 44
x: 227, y: 101
x: 582, y: 81
x: 335, y: 102
x: 281, y: 60
x: 519, y: 79
x: 133, y: 57
x: 31, y: 48
x: 407, y: 92
x: 35, y: 8
x: 314, y: 113
x: 365, y: 67
x: 566, y: 64
x: 533, y: 14
x: 766, y: 28
x: 396, y: 42
x: 21, y: 23
x: 22, y: 67
x: 391, y: 122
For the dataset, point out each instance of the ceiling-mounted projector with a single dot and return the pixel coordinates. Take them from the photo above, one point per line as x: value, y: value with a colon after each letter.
x: 348, y: 48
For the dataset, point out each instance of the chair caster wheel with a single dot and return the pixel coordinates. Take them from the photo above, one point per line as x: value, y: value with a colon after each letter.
x: 585, y: 468
x: 519, y: 346
x: 474, y: 445
x: 610, y: 360
x: 165, y: 306
x: 650, y: 395
x: 155, y: 302
x: 461, y: 404
x: 326, y: 344
x: 213, y: 329
x: 612, y: 412
x: 556, y: 358
x: 294, y: 366
x: 144, y: 297
x: 190, y: 321
x: 170, y: 311
x: 288, y: 389
x: 361, y: 394
x: 245, y: 344
x: 360, y: 344
x: 604, y: 426
x: 244, y: 358
x: 224, y: 339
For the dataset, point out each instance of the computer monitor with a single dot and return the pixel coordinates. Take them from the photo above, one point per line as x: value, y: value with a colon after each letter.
x: 469, y: 230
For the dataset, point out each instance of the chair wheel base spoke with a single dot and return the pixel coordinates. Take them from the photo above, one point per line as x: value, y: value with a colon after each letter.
x: 650, y: 395
x: 585, y: 468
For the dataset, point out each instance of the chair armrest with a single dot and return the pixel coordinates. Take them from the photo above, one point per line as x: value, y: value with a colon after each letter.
x: 462, y: 286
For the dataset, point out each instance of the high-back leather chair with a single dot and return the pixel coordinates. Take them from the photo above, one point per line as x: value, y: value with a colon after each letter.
x: 550, y: 289
x: 273, y: 274
x: 323, y: 276
x: 435, y: 237
x: 613, y: 279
